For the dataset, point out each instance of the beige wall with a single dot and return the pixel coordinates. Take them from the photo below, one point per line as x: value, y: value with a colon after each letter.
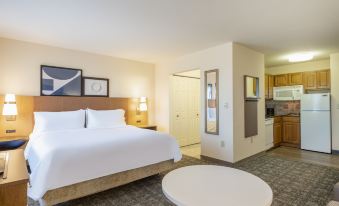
x: 335, y: 100
x: 299, y: 67
x: 247, y: 62
x: 20, y: 70
x: 220, y: 57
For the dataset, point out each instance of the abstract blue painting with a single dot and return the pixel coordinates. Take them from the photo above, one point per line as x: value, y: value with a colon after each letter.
x: 59, y: 81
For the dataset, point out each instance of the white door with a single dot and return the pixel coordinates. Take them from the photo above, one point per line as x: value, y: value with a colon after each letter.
x: 194, y: 110
x: 179, y: 110
x: 185, y: 110
x: 315, y: 102
x: 316, y: 131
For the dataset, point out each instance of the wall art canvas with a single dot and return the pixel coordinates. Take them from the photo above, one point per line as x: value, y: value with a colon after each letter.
x: 95, y: 87
x: 60, y: 81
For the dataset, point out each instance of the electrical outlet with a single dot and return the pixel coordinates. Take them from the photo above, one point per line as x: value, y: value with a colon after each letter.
x: 222, y: 143
x: 10, y: 131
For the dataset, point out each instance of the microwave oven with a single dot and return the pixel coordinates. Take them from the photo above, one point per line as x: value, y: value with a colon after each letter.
x: 288, y: 93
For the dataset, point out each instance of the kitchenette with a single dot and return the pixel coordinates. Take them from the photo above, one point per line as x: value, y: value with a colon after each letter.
x: 298, y: 110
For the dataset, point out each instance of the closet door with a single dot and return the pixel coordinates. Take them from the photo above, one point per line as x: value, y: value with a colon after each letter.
x: 194, y: 110
x: 179, y: 110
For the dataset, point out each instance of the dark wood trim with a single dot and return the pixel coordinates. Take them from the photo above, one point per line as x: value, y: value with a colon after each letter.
x: 216, y: 100
x: 217, y: 161
x: 41, y: 94
x: 95, y: 78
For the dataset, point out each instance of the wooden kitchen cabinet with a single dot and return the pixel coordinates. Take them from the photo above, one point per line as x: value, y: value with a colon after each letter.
x: 269, y: 84
x: 310, y: 80
x: 323, y: 79
x: 295, y: 78
x: 277, y: 131
x: 314, y: 80
x: 266, y: 86
x: 281, y: 80
x: 291, y: 130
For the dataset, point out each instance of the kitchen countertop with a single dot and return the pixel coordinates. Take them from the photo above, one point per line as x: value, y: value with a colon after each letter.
x: 288, y: 115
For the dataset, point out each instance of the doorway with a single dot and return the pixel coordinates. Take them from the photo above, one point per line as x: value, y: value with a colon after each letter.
x: 185, y: 107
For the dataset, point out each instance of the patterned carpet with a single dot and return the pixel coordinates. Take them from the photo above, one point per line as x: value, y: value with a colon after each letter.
x: 293, y: 183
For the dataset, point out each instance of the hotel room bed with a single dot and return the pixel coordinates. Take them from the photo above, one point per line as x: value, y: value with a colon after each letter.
x: 84, y: 159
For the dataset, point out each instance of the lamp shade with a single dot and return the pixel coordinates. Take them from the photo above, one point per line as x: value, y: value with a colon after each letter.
x: 143, y: 107
x: 9, y: 109
x: 143, y: 99
x: 10, y: 98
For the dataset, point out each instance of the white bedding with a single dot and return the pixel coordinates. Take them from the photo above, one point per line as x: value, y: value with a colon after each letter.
x: 66, y: 157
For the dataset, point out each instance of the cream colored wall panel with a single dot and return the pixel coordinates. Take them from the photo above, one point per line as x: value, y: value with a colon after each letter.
x: 20, y: 70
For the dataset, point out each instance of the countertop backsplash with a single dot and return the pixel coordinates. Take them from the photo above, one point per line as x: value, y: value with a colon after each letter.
x: 284, y: 107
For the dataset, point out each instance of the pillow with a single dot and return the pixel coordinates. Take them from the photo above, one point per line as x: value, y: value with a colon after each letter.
x: 105, y: 118
x: 52, y: 121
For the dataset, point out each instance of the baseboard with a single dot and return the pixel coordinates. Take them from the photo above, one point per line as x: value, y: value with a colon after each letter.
x: 203, y: 157
x: 217, y: 161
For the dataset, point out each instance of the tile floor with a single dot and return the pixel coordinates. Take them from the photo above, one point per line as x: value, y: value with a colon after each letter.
x: 192, y: 150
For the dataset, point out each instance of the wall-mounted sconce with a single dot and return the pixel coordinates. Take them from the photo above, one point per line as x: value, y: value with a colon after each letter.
x: 142, y: 105
x: 10, y: 109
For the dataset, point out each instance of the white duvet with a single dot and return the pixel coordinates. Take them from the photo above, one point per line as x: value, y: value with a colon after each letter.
x: 62, y: 158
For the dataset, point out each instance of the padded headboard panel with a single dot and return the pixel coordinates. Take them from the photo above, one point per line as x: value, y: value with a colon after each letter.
x: 28, y: 104
x: 57, y: 104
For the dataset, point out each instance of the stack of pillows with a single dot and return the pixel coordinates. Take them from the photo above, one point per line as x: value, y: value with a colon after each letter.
x: 51, y: 121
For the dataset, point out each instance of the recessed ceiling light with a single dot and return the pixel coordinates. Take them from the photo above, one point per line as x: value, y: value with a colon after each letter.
x: 300, y: 57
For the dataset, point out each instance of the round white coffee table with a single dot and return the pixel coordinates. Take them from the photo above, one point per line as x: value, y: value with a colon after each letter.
x: 215, y: 185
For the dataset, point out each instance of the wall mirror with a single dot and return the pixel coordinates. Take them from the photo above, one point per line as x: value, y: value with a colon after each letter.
x: 212, y: 102
x: 251, y: 88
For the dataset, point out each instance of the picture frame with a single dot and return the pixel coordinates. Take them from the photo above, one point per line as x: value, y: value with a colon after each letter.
x: 60, y: 81
x: 95, y: 87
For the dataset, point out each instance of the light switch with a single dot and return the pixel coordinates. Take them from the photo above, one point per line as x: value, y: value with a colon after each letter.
x: 226, y: 105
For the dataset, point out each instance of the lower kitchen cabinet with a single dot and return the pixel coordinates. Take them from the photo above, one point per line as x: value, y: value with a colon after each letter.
x: 291, y: 133
x: 277, y: 131
x: 286, y: 131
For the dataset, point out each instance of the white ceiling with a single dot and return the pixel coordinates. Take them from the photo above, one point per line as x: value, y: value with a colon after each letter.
x: 154, y: 30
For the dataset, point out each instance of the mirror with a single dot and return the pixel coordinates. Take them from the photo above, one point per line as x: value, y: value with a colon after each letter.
x: 211, y: 102
x: 251, y: 88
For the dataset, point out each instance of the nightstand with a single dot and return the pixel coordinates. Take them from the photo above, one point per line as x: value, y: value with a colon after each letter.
x: 13, y: 142
x: 13, y: 189
x: 151, y: 127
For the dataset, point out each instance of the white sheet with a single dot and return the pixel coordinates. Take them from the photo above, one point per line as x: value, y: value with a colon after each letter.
x: 62, y: 158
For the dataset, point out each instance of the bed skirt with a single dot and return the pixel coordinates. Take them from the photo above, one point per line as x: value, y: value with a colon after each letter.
x: 100, y: 184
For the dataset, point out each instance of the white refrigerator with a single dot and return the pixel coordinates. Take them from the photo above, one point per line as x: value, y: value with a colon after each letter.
x: 316, y: 122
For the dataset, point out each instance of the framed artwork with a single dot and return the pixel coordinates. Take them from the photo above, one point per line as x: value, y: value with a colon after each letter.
x: 95, y: 87
x: 60, y: 81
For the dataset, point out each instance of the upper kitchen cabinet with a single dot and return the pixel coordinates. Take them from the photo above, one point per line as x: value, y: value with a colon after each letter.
x: 317, y: 80
x: 323, y: 79
x: 269, y: 84
x: 310, y: 80
x: 281, y: 80
x: 266, y: 86
x: 295, y: 78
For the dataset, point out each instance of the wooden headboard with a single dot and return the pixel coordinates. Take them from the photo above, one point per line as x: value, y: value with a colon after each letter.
x: 28, y: 104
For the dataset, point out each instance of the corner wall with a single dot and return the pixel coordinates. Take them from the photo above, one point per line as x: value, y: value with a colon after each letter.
x: 247, y: 62
x: 335, y: 100
x: 219, y: 57
x: 233, y: 61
